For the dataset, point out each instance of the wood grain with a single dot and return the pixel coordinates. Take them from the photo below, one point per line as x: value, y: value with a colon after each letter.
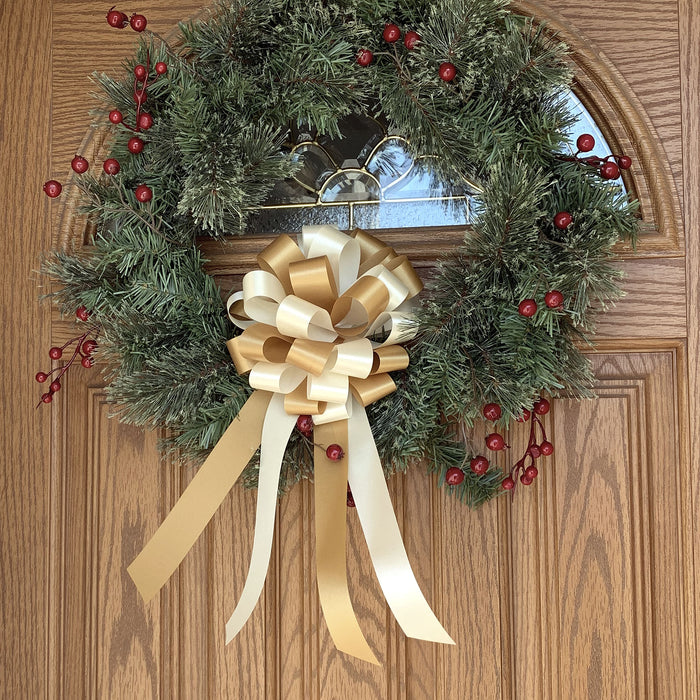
x: 689, y: 20
x: 26, y: 495
x: 583, y: 587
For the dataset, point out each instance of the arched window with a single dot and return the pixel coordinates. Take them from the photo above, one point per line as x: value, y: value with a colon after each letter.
x: 368, y: 179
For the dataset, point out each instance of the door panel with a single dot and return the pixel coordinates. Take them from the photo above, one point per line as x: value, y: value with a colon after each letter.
x: 582, y: 586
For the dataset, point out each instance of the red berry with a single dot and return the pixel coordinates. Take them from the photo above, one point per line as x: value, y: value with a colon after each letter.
x: 80, y: 165
x: 534, y: 451
x: 135, y: 144
x: 145, y: 121
x: 351, y: 500
x: 546, y: 448
x: 55, y: 353
x: 609, y: 170
x: 585, y: 143
x: 55, y: 386
x: 391, y: 33
x: 89, y: 346
x: 305, y: 424
x: 525, y: 480
x: 447, y: 71
x: 479, y: 465
x: 116, y: 117
x: 161, y: 68
x: 335, y: 453
x: 525, y: 417
x: 143, y: 193
x: 140, y: 72
x: 625, y: 162
x: 410, y: 40
x: 82, y: 314
x: 531, y: 472
x: 47, y: 398
x: 563, y: 219
x: 527, y: 307
x: 364, y: 57
x: 111, y: 166
x: 87, y: 362
x: 492, y: 411
x: 541, y: 407
x: 140, y: 96
x: 138, y: 22
x: 41, y: 377
x: 454, y: 476
x: 508, y: 484
x: 554, y: 299
x: 117, y: 19
x: 53, y: 188
x: 495, y: 442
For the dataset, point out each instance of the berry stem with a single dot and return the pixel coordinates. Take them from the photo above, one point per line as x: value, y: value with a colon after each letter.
x: 77, y: 352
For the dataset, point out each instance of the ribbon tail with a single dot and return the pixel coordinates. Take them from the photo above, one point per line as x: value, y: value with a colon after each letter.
x: 330, y: 495
x: 383, y: 537
x: 186, y: 521
x: 276, y: 430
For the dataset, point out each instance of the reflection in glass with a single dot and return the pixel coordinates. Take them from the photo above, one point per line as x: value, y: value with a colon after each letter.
x: 350, y: 186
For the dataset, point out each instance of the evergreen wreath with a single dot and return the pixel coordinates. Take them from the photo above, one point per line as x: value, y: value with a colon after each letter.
x: 198, y: 131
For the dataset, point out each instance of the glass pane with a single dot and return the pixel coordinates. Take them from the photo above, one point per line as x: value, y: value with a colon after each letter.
x: 317, y: 166
x: 291, y: 219
x: 423, y: 182
x: 390, y: 161
x: 412, y: 214
x: 290, y: 192
x: 350, y: 186
x: 361, y: 135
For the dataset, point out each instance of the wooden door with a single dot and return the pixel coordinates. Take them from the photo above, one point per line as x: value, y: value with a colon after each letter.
x: 584, y: 587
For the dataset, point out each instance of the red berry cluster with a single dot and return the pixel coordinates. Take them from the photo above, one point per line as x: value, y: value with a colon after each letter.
x: 84, y: 347
x: 479, y: 464
x: 79, y: 164
x: 534, y: 448
x: 608, y: 168
x: 411, y: 39
x: 553, y: 299
x: 143, y: 120
x: 119, y: 20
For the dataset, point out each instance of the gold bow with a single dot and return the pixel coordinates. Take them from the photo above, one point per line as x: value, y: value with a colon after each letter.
x: 309, y: 316
x: 321, y: 324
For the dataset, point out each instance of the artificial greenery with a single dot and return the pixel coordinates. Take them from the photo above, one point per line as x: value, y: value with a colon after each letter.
x: 237, y: 81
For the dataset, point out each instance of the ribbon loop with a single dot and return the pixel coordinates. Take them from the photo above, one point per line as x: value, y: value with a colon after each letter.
x: 313, y: 280
x: 302, y: 319
x: 278, y: 257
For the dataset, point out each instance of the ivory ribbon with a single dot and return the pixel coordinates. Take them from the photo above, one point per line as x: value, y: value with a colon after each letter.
x: 386, y: 550
x: 321, y: 320
x: 277, y: 427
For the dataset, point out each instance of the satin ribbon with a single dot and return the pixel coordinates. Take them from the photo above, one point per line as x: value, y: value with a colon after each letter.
x: 321, y: 320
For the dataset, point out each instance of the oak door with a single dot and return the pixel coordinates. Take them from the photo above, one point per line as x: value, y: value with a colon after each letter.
x: 584, y: 587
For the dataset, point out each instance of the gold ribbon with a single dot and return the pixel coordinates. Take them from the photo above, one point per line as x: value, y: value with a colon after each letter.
x: 321, y: 321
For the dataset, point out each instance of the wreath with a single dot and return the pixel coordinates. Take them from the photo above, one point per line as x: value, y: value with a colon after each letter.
x: 201, y: 130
